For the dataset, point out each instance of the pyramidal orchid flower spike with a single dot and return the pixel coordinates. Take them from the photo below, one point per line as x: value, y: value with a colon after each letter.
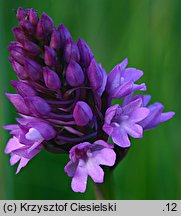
x: 64, y: 99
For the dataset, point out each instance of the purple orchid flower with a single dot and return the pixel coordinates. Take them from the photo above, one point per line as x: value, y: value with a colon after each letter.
x: 64, y: 98
x: 85, y: 160
x: 20, y: 152
x: 155, y: 116
x: 27, y: 140
x: 123, y: 121
x: 120, y: 81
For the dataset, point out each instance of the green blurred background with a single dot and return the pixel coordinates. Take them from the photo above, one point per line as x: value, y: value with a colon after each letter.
x: 148, y: 32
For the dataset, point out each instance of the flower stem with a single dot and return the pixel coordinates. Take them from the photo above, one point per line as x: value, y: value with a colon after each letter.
x: 105, y: 191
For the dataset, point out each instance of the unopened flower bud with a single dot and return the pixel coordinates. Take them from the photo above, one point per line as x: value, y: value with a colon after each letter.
x: 30, y: 28
x: 47, y: 23
x: 33, y: 16
x: 74, y: 74
x: 33, y: 69
x: 85, y: 53
x: 64, y: 34
x: 71, y: 51
x: 51, y: 78
x: 97, y: 77
x: 18, y: 68
x: 23, y: 88
x: 17, y: 53
x: 19, y: 103
x: 31, y: 47
x: 37, y: 105
x: 19, y: 34
x: 44, y: 27
x: 21, y: 13
x: 82, y: 113
x: 40, y: 35
x: 55, y: 39
x: 50, y: 56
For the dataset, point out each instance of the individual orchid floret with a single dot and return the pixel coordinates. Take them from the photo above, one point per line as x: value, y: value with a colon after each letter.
x: 27, y: 140
x: 85, y: 160
x: 82, y: 113
x: 120, y: 81
x: 155, y: 116
x: 19, y: 153
x: 123, y: 121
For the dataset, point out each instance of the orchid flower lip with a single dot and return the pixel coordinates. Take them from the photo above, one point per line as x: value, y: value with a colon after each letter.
x: 33, y: 135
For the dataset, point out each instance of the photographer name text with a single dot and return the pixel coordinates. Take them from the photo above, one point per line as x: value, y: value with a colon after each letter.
x: 57, y: 207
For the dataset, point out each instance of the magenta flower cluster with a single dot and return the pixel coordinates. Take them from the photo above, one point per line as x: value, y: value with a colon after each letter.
x: 64, y: 99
